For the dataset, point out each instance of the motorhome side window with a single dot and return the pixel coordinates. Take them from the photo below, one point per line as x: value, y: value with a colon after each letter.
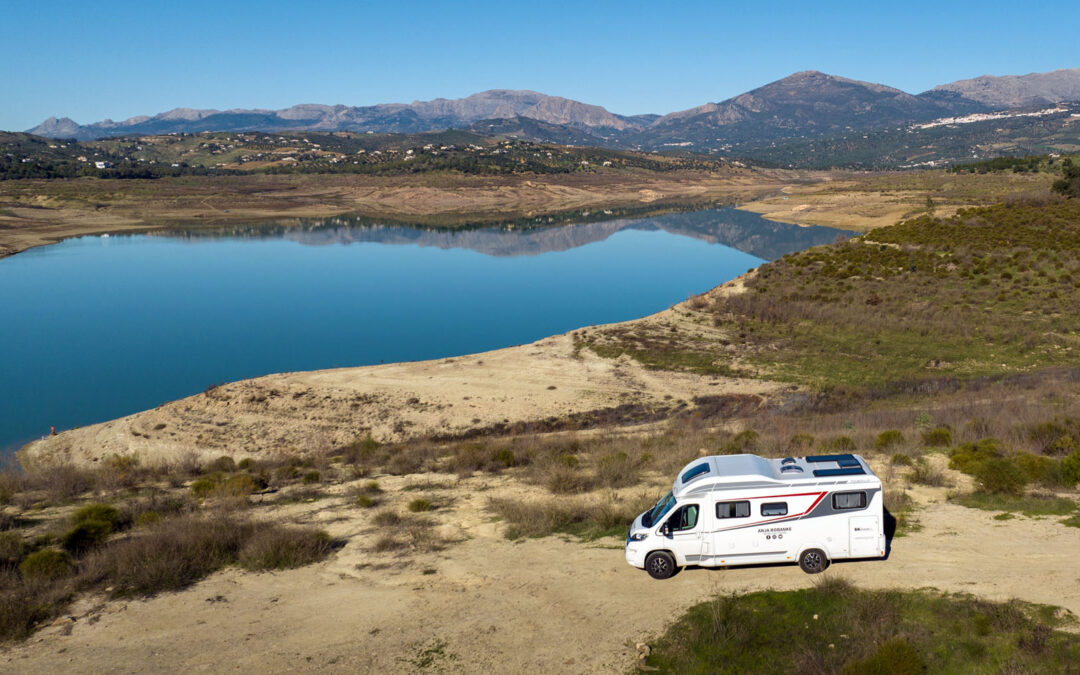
x: 849, y: 500
x: 733, y: 509
x: 774, y: 509
x: 684, y: 519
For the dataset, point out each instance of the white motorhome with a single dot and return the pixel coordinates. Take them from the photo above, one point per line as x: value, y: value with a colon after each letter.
x: 744, y: 510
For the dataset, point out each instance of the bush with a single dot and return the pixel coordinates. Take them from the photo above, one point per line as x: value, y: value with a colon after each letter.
x: 1039, y: 469
x: 617, y: 470
x: 246, y: 464
x: 939, y: 437
x: 85, y: 536
x: 420, y: 504
x: 278, y: 548
x: 223, y: 464
x: 387, y: 519
x: 241, y: 485
x: 366, y: 501
x: 180, y: 551
x: 893, y: 657
x: 1000, y: 476
x: 901, y: 459
x: 203, y: 487
x: 744, y: 441
x: 311, y: 477
x: 841, y: 444
x: 11, y: 549
x: 105, y: 513
x: 801, y: 443
x: 887, y: 440
x: 1070, y: 468
x: 925, y: 473
x: 967, y: 457
x: 45, y: 565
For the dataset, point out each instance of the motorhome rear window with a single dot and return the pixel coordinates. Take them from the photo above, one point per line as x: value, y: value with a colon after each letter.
x: 694, y: 472
x: 849, y: 500
x: 733, y: 509
x: 774, y: 509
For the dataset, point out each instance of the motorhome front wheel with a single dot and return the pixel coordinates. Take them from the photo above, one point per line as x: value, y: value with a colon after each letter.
x: 660, y: 565
x: 813, y: 560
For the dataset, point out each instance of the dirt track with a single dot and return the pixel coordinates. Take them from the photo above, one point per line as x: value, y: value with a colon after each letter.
x: 544, y: 605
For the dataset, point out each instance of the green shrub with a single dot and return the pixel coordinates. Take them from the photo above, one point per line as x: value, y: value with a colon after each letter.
x: 245, y: 464
x: 45, y: 565
x: 241, y: 485
x: 1070, y: 468
x: 506, y: 457
x: 841, y: 444
x: 11, y: 549
x: 1000, y: 476
x: 617, y: 470
x: 202, y: 488
x: 420, y: 504
x: 311, y: 477
x: 893, y: 657
x: 901, y: 459
x: 888, y: 439
x: 744, y: 441
x: 85, y: 536
x: 102, y: 513
x: 938, y: 437
x: 801, y: 443
x: 366, y: 501
x: 967, y: 457
x: 223, y: 464
x: 1039, y: 469
x: 1064, y: 445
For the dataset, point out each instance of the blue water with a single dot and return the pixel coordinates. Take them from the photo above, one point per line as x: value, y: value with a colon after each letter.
x: 96, y: 328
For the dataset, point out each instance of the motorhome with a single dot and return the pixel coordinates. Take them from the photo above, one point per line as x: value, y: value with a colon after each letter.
x: 744, y: 510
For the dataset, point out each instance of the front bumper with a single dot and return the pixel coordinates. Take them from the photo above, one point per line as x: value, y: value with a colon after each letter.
x: 635, y: 554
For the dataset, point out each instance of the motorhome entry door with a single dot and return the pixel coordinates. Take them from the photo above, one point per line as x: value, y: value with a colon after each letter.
x: 863, y: 536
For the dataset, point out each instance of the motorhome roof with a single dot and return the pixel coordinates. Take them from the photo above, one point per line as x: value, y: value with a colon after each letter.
x: 722, y: 472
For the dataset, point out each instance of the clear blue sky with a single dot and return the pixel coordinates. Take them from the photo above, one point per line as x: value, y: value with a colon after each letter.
x: 116, y: 59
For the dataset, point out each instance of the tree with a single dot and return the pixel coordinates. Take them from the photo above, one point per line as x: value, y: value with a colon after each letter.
x: 1069, y: 184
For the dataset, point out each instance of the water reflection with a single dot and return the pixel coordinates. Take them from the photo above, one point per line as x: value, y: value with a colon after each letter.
x: 727, y: 226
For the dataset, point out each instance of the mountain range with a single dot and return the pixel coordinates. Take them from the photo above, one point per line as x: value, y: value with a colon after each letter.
x: 803, y: 105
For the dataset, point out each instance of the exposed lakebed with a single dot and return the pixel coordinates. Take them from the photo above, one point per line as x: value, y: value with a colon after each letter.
x: 99, y: 327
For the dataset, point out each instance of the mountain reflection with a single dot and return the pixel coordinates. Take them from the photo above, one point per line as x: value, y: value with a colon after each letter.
x: 741, y: 230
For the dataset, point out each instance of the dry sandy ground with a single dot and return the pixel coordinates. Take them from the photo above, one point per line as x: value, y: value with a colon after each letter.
x: 490, y: 605
x: 865, y: 201
x: 37, y: 212
x: 320, y: 410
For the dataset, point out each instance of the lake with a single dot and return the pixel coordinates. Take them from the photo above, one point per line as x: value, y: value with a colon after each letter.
x: 100, y: 327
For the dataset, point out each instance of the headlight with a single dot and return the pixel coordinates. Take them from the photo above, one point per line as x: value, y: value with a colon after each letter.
x: 640, y: 536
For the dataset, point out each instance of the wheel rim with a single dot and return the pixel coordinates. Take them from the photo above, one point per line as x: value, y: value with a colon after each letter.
x: 813, y: 560
x: 658, y: 565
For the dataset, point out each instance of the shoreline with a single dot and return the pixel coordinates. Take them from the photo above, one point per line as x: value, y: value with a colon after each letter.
x: 40, y: 212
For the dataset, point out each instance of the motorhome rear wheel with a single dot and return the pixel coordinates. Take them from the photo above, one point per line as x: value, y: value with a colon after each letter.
x: 813, y: 561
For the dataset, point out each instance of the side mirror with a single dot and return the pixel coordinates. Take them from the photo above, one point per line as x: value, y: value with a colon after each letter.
x: 665, y: 529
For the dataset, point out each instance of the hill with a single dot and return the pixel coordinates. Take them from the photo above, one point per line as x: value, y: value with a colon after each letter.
x: 414, y: 117
x: 1013, y: 91
x: 809, y: 103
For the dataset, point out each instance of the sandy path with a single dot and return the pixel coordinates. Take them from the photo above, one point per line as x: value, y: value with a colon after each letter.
x: 493, y: 605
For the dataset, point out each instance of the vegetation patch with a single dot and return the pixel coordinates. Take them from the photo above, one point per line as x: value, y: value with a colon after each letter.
x: 580, y: 518
x: 836, y: 628
x: 1030, y: 505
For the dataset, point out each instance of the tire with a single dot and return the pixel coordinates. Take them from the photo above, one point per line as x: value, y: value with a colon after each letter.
x: 813, y: 561
x: 660, y: 565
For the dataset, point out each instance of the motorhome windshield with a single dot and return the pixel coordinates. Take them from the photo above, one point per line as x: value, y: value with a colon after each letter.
x: 657, y: 512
